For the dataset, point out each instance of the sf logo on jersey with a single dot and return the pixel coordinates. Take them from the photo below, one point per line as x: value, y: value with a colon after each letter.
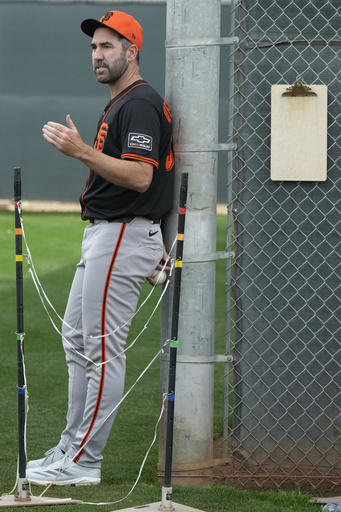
x: 141, y: 141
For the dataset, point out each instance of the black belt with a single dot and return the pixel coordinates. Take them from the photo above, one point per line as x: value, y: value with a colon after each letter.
x: 122, y: 220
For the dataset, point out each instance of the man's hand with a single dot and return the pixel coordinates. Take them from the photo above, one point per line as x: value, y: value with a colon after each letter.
x: 160, y: 266
x: 136, y: 175
x: 65, y: 138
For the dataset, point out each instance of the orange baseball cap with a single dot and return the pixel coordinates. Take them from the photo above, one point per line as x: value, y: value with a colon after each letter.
x: 118, y: 21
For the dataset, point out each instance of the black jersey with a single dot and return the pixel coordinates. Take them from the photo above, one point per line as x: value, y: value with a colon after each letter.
x: 136, y: 125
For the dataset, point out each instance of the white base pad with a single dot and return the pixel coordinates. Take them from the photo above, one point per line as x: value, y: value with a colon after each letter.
x: 155, y: 507
x: 335, y: 499
x: 33, y: 501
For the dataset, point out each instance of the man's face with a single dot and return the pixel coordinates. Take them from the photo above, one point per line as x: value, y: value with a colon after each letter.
x: 109, y: 61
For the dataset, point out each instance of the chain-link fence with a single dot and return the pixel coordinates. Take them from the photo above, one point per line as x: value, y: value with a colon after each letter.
x: 283, y: 389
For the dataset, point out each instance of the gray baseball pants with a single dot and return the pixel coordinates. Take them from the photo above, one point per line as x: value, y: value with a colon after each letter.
x: 116, y: 258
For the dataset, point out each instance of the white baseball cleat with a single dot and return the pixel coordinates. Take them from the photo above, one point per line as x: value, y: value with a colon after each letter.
x: 64, y: 472
x: 51, y: 456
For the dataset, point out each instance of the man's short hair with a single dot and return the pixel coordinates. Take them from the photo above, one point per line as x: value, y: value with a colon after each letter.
x: 125, y: 46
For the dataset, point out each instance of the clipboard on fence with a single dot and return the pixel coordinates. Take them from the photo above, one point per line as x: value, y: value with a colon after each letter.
x: 298, y: 132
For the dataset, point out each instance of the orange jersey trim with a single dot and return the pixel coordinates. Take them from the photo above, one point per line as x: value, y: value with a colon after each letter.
x: 131, y: 88
x: 131, y: 156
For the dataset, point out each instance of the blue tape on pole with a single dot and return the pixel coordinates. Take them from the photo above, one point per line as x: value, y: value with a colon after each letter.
x: 21, y: 391
x: 171, y: 397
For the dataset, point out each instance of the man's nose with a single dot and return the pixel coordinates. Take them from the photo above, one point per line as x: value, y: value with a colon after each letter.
x: 97, y: 54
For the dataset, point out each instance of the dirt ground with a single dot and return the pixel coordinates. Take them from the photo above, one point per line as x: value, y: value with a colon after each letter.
x: 60, y: 206
x: 42, y: 206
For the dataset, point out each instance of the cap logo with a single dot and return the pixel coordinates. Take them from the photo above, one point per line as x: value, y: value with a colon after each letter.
x: 107, y: 16
x: 133, y: 36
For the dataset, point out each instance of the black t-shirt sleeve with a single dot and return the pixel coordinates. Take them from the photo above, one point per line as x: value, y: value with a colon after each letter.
x: 140, y: 131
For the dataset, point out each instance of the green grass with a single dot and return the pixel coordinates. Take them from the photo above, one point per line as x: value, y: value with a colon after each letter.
x: 54, y: 241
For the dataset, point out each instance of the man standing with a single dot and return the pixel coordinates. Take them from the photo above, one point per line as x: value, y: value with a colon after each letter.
x: 128, y: 191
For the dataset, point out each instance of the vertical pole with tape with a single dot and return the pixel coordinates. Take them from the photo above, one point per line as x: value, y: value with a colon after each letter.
x: 167, y: 489
x: 22, y: 492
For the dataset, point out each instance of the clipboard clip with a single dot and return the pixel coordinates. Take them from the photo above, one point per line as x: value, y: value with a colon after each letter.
x: 299, y: 88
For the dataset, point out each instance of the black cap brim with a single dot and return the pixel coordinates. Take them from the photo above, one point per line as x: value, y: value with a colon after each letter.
x: 89, y: 26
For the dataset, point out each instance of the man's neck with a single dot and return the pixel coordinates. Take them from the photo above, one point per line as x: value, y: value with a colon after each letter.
x: 123, y: 82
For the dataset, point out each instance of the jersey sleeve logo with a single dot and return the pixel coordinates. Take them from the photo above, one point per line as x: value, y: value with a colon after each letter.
x: 140, y: 141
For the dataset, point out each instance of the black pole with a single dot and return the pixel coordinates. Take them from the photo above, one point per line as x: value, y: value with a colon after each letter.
x: 174, y: 331
x: 22, y: 486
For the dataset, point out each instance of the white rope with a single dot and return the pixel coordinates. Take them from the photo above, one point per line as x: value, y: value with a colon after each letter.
x: 111, y: 413
x: 143, y: 462
x: 99, y: 365
x: 24, y: 388
x: 26, y: 392
x: 149, y: 319
x: 44, y: 299
x: 16, y: 482
x: 43, y: 294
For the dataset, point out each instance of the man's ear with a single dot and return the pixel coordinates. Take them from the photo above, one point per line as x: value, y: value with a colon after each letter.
x: 132, y: 52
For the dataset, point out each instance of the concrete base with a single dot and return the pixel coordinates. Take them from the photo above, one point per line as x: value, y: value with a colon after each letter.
x: 33, y: 501
x: 156, y: 507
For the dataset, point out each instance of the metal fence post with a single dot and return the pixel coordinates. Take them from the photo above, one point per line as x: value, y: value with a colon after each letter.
x: 192, y: 92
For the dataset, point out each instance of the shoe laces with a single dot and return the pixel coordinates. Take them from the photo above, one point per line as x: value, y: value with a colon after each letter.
x: 60, y: 464
x: 65, y: 462
x: 51, y: 450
